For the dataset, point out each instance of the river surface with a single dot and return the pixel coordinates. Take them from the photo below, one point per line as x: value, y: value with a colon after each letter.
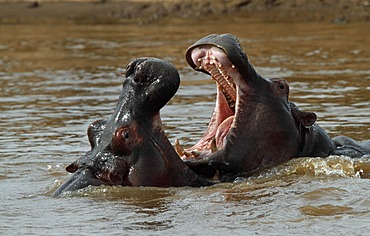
x: 57, y: 79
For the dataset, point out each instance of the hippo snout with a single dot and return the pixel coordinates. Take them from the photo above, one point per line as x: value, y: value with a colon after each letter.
x: 131, y: 147
x: 80, y: 179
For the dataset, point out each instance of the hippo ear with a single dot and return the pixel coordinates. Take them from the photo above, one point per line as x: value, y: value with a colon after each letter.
x: 72, y: 168
x: 304, y: 118
x: 94, y: 132
x: 307, y: 118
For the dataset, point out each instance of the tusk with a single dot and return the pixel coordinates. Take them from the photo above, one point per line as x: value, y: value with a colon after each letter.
x: 213, y: 145
x: 178, y: 148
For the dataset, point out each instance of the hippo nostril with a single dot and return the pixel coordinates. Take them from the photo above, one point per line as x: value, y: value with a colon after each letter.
x: 144, y: 75
x: 140, y: 75
x: 129, y: 69
x: 133, y: 65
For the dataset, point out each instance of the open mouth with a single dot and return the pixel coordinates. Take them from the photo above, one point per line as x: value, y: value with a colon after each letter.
x: 215, y: 62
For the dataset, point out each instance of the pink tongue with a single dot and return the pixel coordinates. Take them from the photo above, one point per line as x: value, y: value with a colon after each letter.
x: 223, y: 130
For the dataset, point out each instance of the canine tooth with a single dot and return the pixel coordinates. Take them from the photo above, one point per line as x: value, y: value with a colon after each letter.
x: 178, y: 148
x: 200, y: 59
x: 200, y: 67
x: 219, y: 65
x: 213, y: 145
x: 232, y: 66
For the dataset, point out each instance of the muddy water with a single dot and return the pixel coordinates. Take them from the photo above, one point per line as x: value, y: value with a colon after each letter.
x: 57, y: 79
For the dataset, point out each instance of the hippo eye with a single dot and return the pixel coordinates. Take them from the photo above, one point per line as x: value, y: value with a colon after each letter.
x: 281, y: 86
x: 126, y: 134
x: 120, y: 144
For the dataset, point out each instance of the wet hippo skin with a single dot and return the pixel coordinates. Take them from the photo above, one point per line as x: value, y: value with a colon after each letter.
x: 131, y: 148
x: 254, y: 125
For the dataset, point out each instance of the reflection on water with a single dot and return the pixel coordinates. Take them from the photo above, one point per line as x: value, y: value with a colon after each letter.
x: 57, y: 79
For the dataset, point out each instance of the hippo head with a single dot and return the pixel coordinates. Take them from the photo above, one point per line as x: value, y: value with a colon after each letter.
x: 253, y: 124
x: 131, y: 148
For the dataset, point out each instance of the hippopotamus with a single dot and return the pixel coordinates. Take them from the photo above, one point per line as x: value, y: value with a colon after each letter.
x: 254, y: 125
x: 131, y: 148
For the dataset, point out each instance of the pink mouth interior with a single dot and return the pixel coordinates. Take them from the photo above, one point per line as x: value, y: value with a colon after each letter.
x: 214, y: 60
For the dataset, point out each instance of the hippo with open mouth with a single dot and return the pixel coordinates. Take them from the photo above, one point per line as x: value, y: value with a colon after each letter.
x: 131, y: 148
x: 253, y: 125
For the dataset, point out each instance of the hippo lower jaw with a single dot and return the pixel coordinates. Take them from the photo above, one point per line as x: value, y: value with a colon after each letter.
x: 80, y: 179
x: 215, y: 62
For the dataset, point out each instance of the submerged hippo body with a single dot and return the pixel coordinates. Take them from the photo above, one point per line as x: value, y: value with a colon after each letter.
x: 253, y: 125
x: 349, y: 147
x: 131, y: 148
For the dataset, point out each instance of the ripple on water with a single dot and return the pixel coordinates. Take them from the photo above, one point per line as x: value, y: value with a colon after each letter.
x: 57, y: 79
x: 325, y: 210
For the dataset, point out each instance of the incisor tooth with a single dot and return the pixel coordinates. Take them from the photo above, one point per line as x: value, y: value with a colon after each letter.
x: 195, y: 153
x: 188, y: 154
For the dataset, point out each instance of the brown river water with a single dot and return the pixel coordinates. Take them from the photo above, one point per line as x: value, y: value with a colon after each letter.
x: 57, y: 79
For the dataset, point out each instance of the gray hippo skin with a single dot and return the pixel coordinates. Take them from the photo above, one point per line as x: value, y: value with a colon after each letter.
x: 253, y: 125
x: 131, y: 148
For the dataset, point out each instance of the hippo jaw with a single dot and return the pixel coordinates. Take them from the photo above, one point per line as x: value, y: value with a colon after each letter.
x: 213, y: 60
x: 252, y: 124
x: 131, y: 148
x: 221, y: 57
